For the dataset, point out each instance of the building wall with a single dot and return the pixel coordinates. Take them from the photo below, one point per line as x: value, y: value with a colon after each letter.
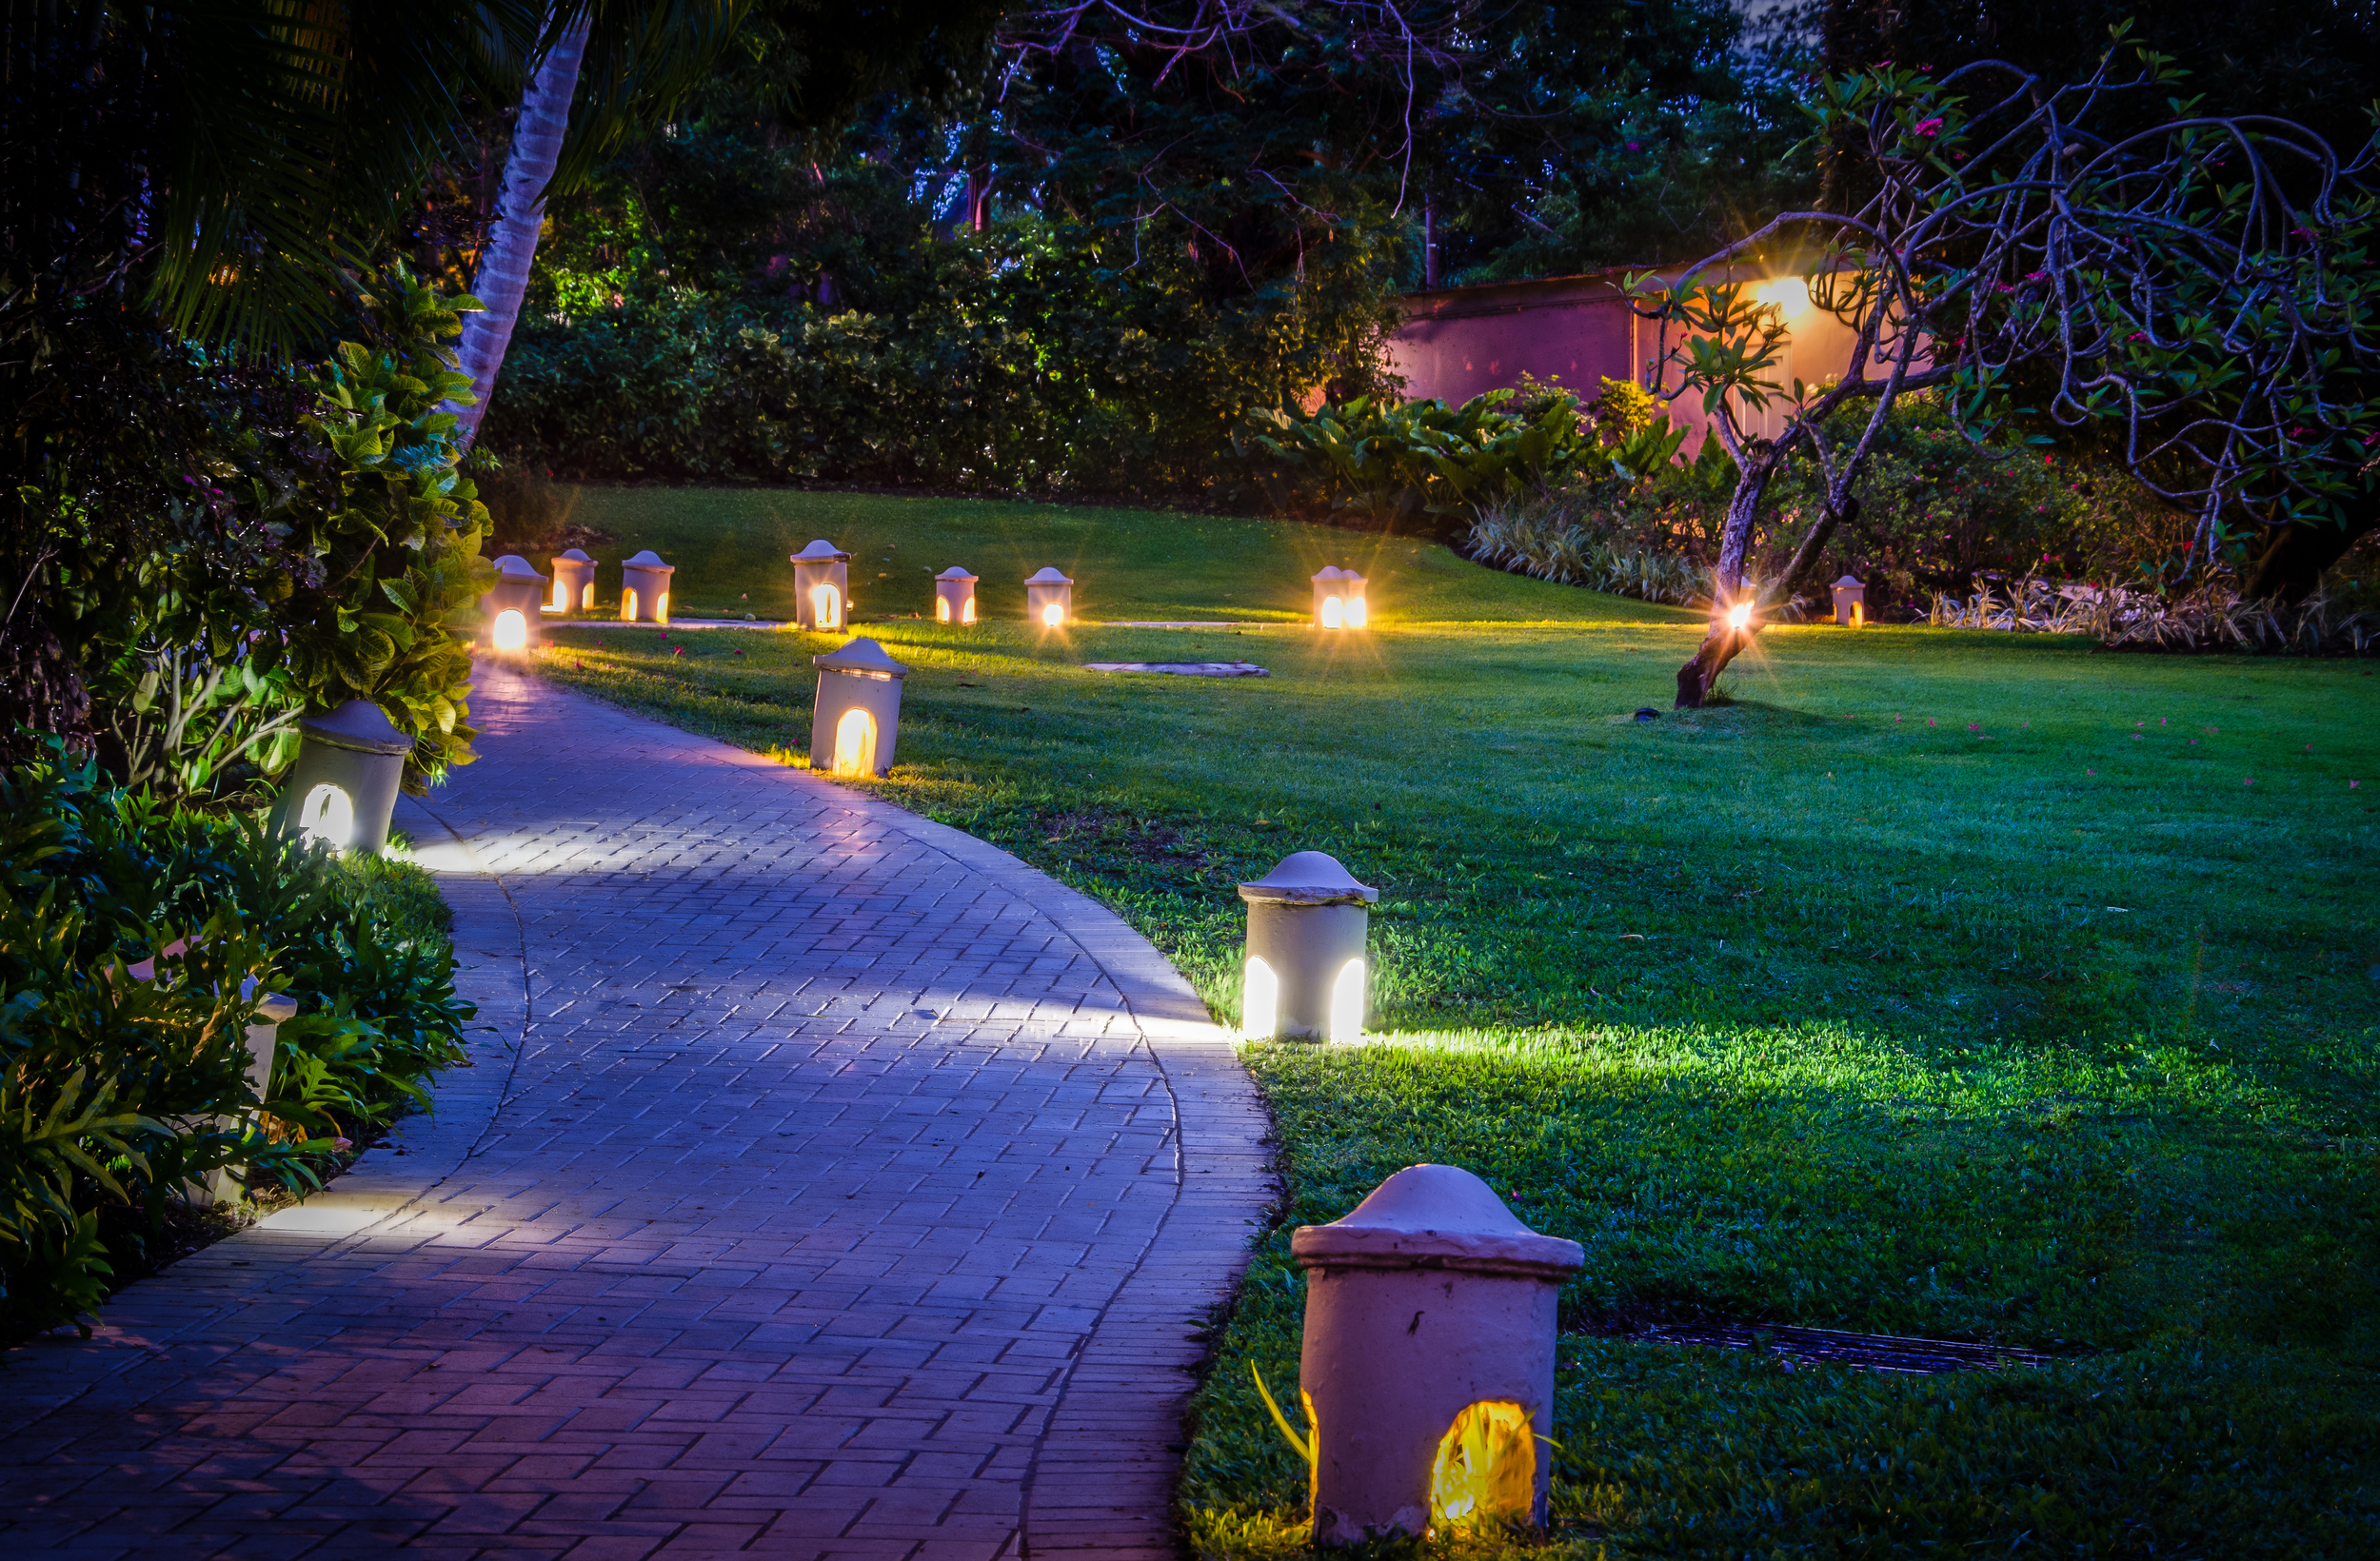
x: 1458, y: 342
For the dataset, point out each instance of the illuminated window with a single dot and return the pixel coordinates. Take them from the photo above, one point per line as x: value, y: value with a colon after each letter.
x: 826, y: 606
x: 1260, y: 1003
x: 855, y: 743
x: 966, y: 614
x: 586, y: 597
x: 1486, y: 1466
x: 1053, y: 615
x: 628, y: 604
x: 1357, y: 614
x: 512, y: 630
x: 941, y: 610
x: 660, y: 609
x: 1347, y: 1002
x: 1334, y: 612
x: 328, y: 815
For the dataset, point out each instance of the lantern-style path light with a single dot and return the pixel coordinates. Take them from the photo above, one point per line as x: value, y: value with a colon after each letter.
x: 265, y: 1017
x: 1049, y: 598
x: 645, y: 589
x: 513, y: 604
x: 1338, y: 601
x: 1850, y: 603
x: 1306, y: 978
x: 857, y: 718
x: 822, y: 586
x: 344, y: 786
x: 1428, y: 1360
x: 954, y: 596
x: 574, y: 581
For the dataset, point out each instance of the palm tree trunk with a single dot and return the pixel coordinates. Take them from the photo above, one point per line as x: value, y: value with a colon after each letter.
x: 504, y: 268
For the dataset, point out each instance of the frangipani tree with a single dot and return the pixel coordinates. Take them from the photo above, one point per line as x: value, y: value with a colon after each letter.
x: 2186, y: 294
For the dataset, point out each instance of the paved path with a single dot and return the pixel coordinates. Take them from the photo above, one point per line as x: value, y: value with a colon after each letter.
x: 852, y: 1189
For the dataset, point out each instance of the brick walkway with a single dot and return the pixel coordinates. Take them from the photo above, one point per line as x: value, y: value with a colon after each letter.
x: 852, y: 1189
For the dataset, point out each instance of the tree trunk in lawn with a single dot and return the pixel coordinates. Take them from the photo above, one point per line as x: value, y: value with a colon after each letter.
x: 1724, y: 644
x: 504, y: 268
x: 2289, y: 564
x: 1720, y: 646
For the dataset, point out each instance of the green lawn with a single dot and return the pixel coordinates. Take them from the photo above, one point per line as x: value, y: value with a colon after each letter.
x: 1954, y: 984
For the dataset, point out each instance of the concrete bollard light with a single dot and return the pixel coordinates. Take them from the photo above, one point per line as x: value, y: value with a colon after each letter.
x: 512, y: 606
x: 344, y: 785
x: 1338, y: 601
x: 1428, y: 1361
x: 856, y: 719
x: 645, y: 589
x: 1305, y: 974
x: 263, y: 1029
x: 574, y: 583
x: 954, y: 596
x: 1850, y: 603
x: 822, y: 586
x: 1049, y: 598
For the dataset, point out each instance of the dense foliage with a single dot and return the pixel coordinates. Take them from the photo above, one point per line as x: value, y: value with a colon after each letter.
x: 117, y: 1093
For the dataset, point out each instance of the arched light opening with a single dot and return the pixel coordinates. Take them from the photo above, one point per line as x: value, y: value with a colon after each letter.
x: 1259, y: 1002
x: 586, y: 597
x: 1486, y: 1466
x: 562, y: 596
x: 512, y: 630
x: 1358, y: 615
x: 661, y: 609
x: 1334, y: 612
x: 1053, y: 615
x: 328, y: 815
x: 966, y: 614
x: 941, y: 610
x: 826, y: 606
x: 628, y: 604
x: 855, y: 743
x: 1347, y: 1002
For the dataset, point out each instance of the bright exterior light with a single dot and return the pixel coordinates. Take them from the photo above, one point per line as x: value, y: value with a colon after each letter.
x: 1859, y: 614
x: 1334, y: 612
x: 661, y: 609
x: 1431, y: 1322
x: 1357, y: 614
x: 855, y: 743
x: 966, y: 614
x: 562, y: 596
x: 941, y: 610
x: 645, y: 588
x: 1048, y: 598
x: 328, y: 818
x: 628, y: 605
x: 1259, y: 1002
x: 1053, y: 615
x: 1790, y: 294
x: 1347, y: 1002
x: 1740, y: 617
x: 512, y: 630
x: 826, y: 605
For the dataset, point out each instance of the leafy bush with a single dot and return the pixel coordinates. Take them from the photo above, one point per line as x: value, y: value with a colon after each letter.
x: 1391, y: 460
x: 117, y: 1094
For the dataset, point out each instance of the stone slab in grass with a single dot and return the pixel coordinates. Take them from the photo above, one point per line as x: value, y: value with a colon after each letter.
x: 1183, y: 670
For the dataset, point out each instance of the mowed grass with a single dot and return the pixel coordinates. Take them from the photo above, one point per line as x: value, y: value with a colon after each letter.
x: 1950, y: 984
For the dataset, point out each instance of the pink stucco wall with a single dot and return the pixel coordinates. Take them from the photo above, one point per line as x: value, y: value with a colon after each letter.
x: 1461, y: 341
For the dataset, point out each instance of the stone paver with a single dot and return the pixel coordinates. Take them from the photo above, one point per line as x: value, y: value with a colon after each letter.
x: 827, y: 1183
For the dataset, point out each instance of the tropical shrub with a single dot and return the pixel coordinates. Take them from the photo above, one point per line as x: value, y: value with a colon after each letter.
x: 115, y: 1093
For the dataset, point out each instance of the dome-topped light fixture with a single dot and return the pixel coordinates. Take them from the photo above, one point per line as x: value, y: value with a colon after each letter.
x: 954, y: 596
x: 513, y: 605
x: 574, y: 581
x: 1049, y: 598
x: 342, y: 788
x: 1338, y: 601
x: 821, y: 587
x: 1305, y: 975
x: 645, y: 589
x: 855, y: 719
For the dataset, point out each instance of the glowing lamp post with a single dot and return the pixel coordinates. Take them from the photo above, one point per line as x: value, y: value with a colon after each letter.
x: 1307, y: 920
x: 1850, y: 603
x: 857, y: 718
x: 1428, y: 1362
x: 574, y: 581
x: 1338, y: 599
x: 344, y: 785
x: 645, y: 589
x: 512, y: 604
x: 1049, y: 598
x: 822, y: 586
x: 954, y: 596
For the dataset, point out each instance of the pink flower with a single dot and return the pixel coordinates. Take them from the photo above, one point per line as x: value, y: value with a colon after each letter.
x: 2250, y: 782
x: 1974, y: 726
x: 2353, y: 785
x: 1929, y: 721
x: 2090, y: 772
x: 1929, y: 126
x: 1634, y: 146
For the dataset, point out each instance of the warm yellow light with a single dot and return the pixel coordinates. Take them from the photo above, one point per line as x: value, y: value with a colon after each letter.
x: 586, y: 597
x: 941, y: 610
x: 661, y: 609
x: 512, y: 630
x: 328, y: 816
x: 1053, y: 615
x: 1334, y: 612
x: 1357, y: 614
x: 1740, y: 617
x: 562, y: 596
x: 628, y: 604
x: 966, y: 614
x: 826, y: 606
x: 1791, y: 294
x: 1859, y: 614
x: 1259, y: 1002
x: 1486, y: 1466
x: 855, y: 743
x: 1347, y: 1002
